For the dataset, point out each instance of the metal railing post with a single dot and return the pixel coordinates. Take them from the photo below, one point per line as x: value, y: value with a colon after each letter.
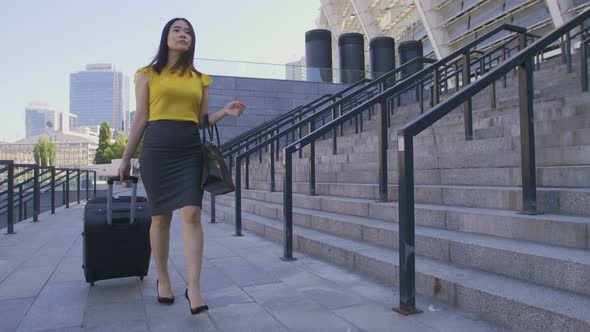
x: 334, y: 131
x: 67, y: 188
x: 563, y: 50
x: 10, y: 198
x: 584, y: 63
x: 568, y: 50
x: 493, y: 95
x: 247, y: 170
x: 278, y: 144
x: 212, y: 209
x: 505, y: 79
x: 52, y: 185
x: 340, y: 112
x: 390, y: 108
x: 78, y: 185
x: 94, y: 182
x: 467, y: 106
x: 456, y: 77
x: 407, y: 258
x: 36, y: 192
x: 238, y: 197
x: 421, y: 98
x: 259, y: 153
x: 312, y: 161
x: 361, y: 121
x: 527, y: 137
x: 435, y: 87
x: 231, y: 162
x: 87, y: 185
x: 300, y: 131
x: 20, y: 202
x: 382, y: 132
x: 288, y: 206
x: 272, y: 167
x: 292, y: 131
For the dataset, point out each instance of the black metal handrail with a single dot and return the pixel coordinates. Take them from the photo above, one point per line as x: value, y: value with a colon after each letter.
x: 254, y: 131
x: 304, y: 113
x: 335, y: 109
x: 308, y: 121
x: 299, y: 111
x: 261, y: 132
x: 31, y: 189
x: 383, y: 103
x: 524, y: 61
x: 289, y: 114
x: 447, y: 63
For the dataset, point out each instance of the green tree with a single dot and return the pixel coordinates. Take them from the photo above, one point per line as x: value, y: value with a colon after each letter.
x: 104, y: 142
x: 115, y: 150
x: 44, y: 152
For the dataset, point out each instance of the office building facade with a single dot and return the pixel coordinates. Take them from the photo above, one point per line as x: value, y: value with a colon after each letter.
x: 100, y: 94
x: 41, y: 119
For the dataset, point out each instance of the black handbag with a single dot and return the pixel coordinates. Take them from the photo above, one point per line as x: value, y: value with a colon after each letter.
x: 216, y: 178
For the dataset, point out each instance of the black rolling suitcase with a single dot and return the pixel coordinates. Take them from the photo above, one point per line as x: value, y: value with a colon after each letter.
x: 116, y: 236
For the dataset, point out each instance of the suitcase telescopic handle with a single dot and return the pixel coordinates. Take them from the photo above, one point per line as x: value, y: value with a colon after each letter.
x: 110, y: 182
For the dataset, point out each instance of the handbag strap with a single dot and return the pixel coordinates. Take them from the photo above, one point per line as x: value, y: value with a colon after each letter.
x: 210, y: 129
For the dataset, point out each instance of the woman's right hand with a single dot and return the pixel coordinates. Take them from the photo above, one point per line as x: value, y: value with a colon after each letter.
x: 124, y: 169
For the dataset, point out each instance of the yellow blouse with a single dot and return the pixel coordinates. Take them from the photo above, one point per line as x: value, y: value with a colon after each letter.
x: 172, y: 97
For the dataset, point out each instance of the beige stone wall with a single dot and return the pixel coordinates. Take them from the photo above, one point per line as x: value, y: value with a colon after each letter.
x: 68, y: 154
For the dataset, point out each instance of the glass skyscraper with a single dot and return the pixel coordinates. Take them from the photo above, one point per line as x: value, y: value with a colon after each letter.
x: 35, y: 117
x: 41, y: 119
x: 100, y: 94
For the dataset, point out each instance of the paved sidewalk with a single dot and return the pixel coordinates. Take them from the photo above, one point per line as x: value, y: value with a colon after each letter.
x: 246, y: 285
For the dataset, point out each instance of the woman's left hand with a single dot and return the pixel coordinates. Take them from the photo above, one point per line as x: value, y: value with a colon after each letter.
x: 235, y: 108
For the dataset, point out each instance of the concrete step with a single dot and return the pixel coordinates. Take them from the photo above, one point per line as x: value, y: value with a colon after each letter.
x: 473, y: 154
x: 553, y: 229
x: 509, y: 98
x: 484, y: 115
x: 568, y: 201
x: 558, y: 176
x: 573, y: 124
x: 501, y: 299
x: 564, y: 131
x: 516, y: 259
x: 569, y: 119
x: 551, y: 176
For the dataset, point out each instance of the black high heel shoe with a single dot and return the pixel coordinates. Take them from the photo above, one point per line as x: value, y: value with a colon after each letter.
x: 198, y: 309
x: 165, y: 300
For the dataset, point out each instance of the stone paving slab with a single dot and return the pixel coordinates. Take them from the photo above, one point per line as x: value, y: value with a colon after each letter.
x: 246, y: 285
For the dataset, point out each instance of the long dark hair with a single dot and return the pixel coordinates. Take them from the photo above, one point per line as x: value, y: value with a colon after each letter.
x: 185, y: 62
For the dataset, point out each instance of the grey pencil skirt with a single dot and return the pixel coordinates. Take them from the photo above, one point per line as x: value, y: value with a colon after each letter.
x: 170, y: 165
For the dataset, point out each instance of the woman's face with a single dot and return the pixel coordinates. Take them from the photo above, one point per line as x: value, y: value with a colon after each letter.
x: 179, y: 36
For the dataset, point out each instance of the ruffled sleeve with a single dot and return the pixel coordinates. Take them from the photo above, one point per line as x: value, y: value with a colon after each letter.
x: 206, y: 79
x: 146, y: 70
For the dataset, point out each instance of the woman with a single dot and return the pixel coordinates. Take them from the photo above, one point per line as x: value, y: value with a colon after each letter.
x: 172, y: 103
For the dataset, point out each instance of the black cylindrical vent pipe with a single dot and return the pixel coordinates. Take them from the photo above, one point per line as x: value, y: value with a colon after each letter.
x: 352, y: 57
x: 318, y: 55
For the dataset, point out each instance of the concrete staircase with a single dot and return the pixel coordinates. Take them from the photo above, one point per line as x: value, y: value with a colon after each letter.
x: 474, y: 250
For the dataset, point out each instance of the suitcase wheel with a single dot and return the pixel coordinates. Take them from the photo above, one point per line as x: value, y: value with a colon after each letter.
x: 92, y: 283
x: 141, y: 278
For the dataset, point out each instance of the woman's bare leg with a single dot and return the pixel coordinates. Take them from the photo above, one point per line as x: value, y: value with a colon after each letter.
x: 160, y: 244
x: 192, y: 237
